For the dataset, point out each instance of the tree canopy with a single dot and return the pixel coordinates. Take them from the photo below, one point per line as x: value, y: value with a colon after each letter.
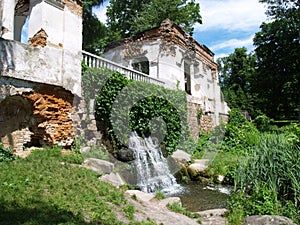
x: 278, y: 62
x: 235, y: 73
x: 127, y: 17
x: 268, y: 81
x: 94, y: 32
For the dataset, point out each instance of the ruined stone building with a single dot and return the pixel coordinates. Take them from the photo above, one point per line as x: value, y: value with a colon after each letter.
x: 39, y: 81
x: 167, y: 53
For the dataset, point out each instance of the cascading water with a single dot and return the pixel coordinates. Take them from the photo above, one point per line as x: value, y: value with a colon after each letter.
x: 152, y: 168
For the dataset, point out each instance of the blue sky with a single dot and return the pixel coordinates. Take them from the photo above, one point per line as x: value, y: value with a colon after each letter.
x: 227, y: 24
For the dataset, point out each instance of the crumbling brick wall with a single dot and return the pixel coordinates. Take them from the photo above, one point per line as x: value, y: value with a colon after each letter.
x: 52, y: 115
x: 41, y: 115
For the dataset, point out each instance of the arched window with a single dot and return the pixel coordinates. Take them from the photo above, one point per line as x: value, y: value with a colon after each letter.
x: 141, y: 64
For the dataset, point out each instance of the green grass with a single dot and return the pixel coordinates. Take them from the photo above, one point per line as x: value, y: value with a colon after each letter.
x: 178, y: 208
x: 159, y: 195
x: 45, y: 188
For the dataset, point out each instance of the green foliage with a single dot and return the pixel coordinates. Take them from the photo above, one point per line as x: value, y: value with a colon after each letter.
x: 40, y: 189
x: 178, y: 208
x: 240, y: 134
x: 270, y: 176
x: 263, y: 123
x: 6, y: 154
x: 97, y: 151
x: 126, y: 18
x: 129, y: 211
x: 199, y: 114
x: 292, y: 133
x: 123, y: 106
x: 278, y: 49
x: 235, y: 74
x: 182, y: 12
x: 159, y: 195
x: 225, y: 163
x: 94, y: 32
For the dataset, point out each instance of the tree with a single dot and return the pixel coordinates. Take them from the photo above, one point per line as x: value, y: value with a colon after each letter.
x: 127, y: 17
x: 183, y: 13
x: 235, y: 73
x: 121, y: 15
x: 94, y: 32
x: 278, y: 62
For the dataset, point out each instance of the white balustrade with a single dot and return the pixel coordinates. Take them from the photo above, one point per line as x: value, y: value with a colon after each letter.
x: 95, y: 61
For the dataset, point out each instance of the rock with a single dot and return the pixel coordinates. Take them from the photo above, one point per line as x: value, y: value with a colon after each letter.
x: 166, y: 201
x: 141, y: 196
x: 98, y: 165
x: 85, y: 149
x: 213, y: 217
x: 220, y: 178
x: 125, y: 155
x: 181, y: 157
x: 268, y: 220
x: 197, y: 167
x: 113, y: 178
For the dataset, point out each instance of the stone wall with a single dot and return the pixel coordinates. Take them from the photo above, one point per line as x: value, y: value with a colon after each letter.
x: 203, y: 124
x: 207, y: 123
x: 193, y: 121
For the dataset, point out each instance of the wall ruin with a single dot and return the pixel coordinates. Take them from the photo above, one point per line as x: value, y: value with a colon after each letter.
x: 35, y: 114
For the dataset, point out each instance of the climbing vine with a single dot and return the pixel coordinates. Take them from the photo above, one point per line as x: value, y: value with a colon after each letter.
x: 123, y: 106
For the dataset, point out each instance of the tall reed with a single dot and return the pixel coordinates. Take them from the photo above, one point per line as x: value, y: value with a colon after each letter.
x: 274, y: 163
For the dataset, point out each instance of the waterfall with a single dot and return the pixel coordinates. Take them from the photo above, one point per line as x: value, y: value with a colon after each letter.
x: 151, y: 167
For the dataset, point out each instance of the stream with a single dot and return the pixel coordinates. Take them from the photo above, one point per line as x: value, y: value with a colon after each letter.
x: 199, y: 197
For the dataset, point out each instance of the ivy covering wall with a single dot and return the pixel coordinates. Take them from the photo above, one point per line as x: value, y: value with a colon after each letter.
x: 123, y: 106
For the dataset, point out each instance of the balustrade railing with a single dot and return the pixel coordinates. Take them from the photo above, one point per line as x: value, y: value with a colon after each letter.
x: 92, y: 60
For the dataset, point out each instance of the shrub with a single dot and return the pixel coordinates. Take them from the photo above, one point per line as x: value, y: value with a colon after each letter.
x: 240, y: 134
x: 263, y: 123
x: 6, y: 153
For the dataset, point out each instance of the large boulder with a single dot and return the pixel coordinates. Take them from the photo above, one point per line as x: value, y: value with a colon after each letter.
x: 98, y: 165
x: 213, y: 217
x: 268, y: 220
x: 141, y: 196
x: 181, y: 157
x: 113, y: 178
x: 198, y: 167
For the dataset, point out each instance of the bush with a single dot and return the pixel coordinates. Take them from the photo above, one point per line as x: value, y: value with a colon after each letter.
x: 263, y: 123
x: 240, y: 134
x: 6, y: 153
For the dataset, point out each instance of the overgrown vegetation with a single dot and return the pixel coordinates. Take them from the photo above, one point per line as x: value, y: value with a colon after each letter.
x: 267, y: 181
x: 6, y: 153
x: 123, y: 106
x: 178, y: 208
x: 45, y: 188
x: 261, y: 160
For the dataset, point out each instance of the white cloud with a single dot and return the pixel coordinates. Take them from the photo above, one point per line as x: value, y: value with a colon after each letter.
x: 100, y: 12
x: 232, y: 44
x: 231, y: 14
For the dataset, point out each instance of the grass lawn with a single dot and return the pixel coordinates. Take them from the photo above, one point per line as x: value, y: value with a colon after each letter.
x: 47, y: 188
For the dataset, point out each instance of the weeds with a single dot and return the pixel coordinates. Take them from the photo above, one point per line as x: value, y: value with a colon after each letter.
x: 159, y: 195
x: 178, y: 208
